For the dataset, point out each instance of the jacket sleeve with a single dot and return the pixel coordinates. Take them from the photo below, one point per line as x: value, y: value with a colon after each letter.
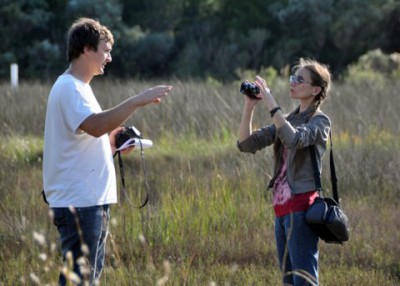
x: 259, y: 139
x: 316, y: 131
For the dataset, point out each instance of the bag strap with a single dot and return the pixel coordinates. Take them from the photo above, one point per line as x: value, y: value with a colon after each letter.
x: 333, y: 172
x: 317, y: 175
x: 44, y: 197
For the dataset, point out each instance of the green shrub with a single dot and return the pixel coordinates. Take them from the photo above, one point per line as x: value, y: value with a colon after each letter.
x: 374, y: 67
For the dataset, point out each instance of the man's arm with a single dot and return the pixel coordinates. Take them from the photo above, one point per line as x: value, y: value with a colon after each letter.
x: 104, y: 122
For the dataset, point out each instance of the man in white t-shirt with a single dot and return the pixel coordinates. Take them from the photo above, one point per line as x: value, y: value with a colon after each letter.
x: 79, y: 141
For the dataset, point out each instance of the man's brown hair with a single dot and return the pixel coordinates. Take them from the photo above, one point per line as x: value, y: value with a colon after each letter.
x: 86, y: 32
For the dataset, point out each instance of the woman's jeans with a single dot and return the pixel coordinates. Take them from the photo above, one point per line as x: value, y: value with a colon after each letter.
x: 297, y: 247
x: 83, y: 232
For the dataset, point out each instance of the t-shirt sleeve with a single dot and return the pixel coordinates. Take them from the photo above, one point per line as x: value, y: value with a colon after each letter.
x: 77, y: 107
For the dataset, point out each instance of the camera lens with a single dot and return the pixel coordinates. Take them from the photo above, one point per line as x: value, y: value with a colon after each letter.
x: 250, y: 89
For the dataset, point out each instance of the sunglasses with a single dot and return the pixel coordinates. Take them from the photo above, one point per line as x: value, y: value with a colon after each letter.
x: 297, y: 79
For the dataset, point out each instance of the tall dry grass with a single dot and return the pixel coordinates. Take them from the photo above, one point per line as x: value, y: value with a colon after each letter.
x: 209, y: 219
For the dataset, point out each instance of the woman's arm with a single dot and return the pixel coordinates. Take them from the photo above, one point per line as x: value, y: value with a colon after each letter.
x: 245, y: 127
x: 311, y: 133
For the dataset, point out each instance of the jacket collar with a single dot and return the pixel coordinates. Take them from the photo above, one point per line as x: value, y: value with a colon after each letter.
x: 297, y: 117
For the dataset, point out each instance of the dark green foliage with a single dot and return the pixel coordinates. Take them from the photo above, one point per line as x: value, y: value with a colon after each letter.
x: 197, y: 38
x: 144, y: 54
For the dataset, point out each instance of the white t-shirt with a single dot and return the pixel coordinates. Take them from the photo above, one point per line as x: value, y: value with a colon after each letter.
x: 78, y: 169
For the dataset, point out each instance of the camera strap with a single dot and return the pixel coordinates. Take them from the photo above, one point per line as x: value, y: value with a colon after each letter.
x: 122, y: 175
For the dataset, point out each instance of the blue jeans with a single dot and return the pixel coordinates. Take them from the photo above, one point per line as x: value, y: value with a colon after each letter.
x: 297, y: 247
x: 84, y: 226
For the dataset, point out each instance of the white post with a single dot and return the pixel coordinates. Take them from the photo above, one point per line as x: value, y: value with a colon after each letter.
x: 14, y: 75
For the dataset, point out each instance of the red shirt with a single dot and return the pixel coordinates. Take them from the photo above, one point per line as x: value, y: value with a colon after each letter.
x: 296, y: 203
x: 284, y: 201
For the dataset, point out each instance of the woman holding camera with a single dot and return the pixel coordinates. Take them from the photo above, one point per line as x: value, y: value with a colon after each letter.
x: 293, y: 182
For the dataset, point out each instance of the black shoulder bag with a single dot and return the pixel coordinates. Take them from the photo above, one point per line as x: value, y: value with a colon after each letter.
x: 324, y: 216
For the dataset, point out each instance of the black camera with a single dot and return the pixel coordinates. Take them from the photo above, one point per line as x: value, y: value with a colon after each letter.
x: 126, y: 134
x: 250, y: 89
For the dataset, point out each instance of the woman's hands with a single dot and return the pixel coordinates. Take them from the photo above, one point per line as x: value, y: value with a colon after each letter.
x: 265, y: 92
x: 262, y: 84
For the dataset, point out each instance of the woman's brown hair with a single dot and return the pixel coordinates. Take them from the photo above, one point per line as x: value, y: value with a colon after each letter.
x: 320, y: 76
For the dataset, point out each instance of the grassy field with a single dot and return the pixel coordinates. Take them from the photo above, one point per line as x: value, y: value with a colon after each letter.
x: 209, y: 220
